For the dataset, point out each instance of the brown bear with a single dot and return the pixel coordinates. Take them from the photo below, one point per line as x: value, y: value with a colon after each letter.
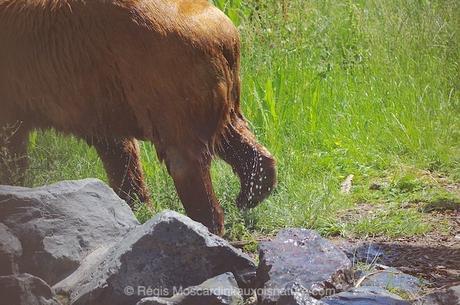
x: 113, y: 71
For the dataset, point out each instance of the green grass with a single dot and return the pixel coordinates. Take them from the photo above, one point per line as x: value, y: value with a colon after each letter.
x: 332, y: 88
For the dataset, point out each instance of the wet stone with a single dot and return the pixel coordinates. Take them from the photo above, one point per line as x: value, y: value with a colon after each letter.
x: 304, y: 258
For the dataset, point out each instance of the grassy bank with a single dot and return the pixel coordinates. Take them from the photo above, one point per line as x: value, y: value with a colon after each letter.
x: 332, y: 88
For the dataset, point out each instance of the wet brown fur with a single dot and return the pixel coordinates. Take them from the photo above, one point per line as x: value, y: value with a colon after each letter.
x: 112, y: 71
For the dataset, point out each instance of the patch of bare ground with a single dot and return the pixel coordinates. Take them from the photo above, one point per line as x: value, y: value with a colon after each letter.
x: 434, y: 257
x: 361, y: 211
x: 442, y: 180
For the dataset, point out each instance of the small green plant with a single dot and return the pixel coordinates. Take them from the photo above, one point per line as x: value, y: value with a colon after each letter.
x: 11, y: 163
x: 402, y: 293
x: 392, y: 223
x: 236, y: 10
x: 144, y: 212
x: 408, y: 183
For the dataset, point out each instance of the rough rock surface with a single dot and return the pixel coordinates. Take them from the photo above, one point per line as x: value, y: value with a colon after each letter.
x: 25, y: 289
x: 58, y: 225
x: 303, y: 257
x: 393, y: 278
x: 10, y: 251
x: 170, y: 250
x: 449, y: 296
x: 367, y: 253
x: 365, y: 296
x: 220, y: 290
x: 297, y: 295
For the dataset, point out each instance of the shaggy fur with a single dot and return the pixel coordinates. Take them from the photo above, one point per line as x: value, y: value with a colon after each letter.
x: 112, y: 71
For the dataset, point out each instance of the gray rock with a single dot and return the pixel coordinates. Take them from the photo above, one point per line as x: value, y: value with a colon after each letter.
x: 367, y: 253
x: 301, y: 256
x: 393, y: 278
x: 82, y: 274
x: 220, y: 290
x: 365, y: 296
x: 58, y: 225
x: 449, y: 296
x: 25, y: 289
x: 165, y: 253
x: 10, y: 251
x: 296, y: 294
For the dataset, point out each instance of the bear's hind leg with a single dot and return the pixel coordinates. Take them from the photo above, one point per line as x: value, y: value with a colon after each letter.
x: 121, y: 159
x: 13, y: 152
x: 192, y: 179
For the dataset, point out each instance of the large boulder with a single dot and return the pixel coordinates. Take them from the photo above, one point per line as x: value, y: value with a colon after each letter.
x: 10, y: 251
x: 25, y: 289
x: 301, y: 257
x: 165, y: 253
x: 365, y: 296
x: 220, y: 290
x: 58, y: 225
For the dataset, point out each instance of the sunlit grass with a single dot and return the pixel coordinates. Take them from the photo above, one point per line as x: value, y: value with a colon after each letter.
x: 332, y: 88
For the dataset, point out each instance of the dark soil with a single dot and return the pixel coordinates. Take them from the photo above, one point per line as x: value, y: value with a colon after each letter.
x: 434, y: 257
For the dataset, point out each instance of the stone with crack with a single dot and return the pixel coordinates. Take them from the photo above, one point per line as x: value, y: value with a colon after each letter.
x: 219, y: 290
x: 59, y: 224
x: 10, y: 251
x: 25, y: 289
x: 165, y: 253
